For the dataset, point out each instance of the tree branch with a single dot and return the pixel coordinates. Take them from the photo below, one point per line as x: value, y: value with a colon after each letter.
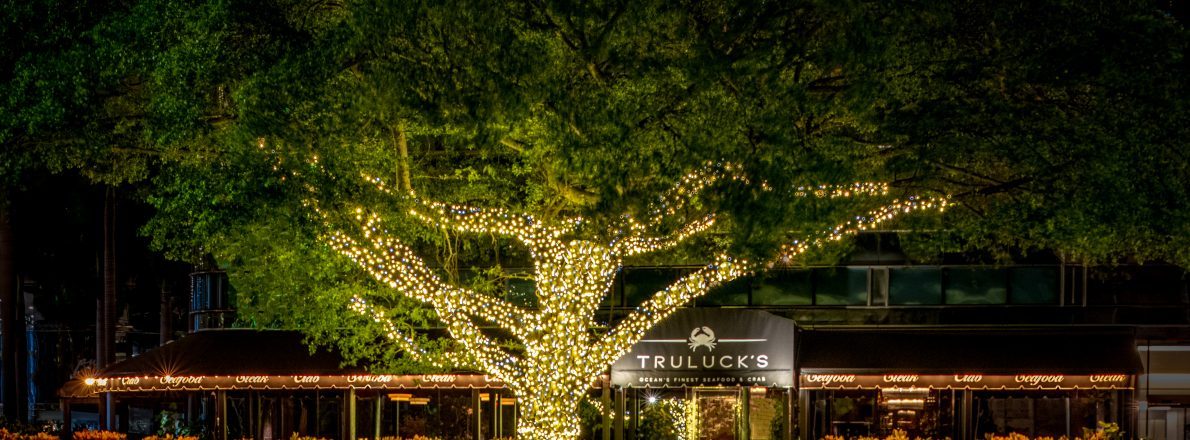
x: 396, y: 266
x: 404, y: 342
x: 629, y: 331
x: 638, y: 242
x: 478, y: 346
x: 860, y: 223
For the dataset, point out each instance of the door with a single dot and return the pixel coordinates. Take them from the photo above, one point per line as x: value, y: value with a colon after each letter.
x: 718, y: 413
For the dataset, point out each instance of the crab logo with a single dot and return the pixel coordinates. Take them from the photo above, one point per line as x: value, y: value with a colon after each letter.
x: 702, y: 337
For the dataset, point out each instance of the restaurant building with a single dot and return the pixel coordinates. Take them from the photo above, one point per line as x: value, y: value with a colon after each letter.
x: 236, y: 383
x: 866, y: 350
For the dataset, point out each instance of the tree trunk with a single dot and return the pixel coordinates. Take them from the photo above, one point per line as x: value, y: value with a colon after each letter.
x: 10, y: 329
x: 548, y: 415
x: 403, y: 150
x: 107, y: 302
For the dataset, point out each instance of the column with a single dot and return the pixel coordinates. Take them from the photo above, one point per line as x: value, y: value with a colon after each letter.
x: 377, y: 415
x: 605, y: 398
x: 101, y: 409
x: 250, y: 402
x: 349, y: 407
x: 966, y: 431
x: 477, y: 419
x: 190, y: 409
x: 745, y: 419
x: 789, y: 411
x: 496, y: 415
x: 803, y: 411
x: 109, y: 412
x: 618, y: 415
x: 67, y: 423
x: 221, y: 415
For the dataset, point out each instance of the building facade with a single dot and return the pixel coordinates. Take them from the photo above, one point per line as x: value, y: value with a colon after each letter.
x: 867, y: 350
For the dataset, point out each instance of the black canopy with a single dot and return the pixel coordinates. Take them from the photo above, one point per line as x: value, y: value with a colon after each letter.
x: 1066, y: 351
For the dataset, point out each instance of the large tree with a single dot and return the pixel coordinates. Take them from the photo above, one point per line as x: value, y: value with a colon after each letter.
x: 570, y: 139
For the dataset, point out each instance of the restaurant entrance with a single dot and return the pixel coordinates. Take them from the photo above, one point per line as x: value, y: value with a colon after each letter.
x: 717, y: 414
x: 709, y: 413
x: 709, y: 374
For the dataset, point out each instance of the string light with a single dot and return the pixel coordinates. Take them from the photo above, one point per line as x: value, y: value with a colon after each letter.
x: 560, y: 356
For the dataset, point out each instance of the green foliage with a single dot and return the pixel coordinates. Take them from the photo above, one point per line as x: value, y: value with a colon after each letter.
x: 1029, y: 115
x: 173, y: 423
x: 1057, y: 125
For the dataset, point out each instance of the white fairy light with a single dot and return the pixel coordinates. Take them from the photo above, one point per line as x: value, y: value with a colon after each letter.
x: 560, y: 355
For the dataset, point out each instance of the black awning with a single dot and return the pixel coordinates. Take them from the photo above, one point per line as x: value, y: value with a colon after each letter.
x: 877, y: 351
x: 240, y: 359
x: 233, y: 352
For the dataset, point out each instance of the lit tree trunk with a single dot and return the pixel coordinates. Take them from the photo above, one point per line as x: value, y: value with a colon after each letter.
x: 547, y: 417
x: 572, y: 278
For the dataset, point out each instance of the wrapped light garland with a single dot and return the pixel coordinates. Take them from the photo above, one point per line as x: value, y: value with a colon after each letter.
x: 561, y: 355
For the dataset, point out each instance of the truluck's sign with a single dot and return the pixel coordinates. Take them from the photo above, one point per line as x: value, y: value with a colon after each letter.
x: 711, y: 347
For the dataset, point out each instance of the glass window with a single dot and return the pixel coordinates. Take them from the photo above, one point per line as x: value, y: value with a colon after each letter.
x: 1042, y: 413
x: 1034, y: 285
x: 846, y: 414
x: 914, y: 286
x: 1136, y: 285
x: 782, y: 288
x: 734, y: 293
x: 841, y: 286
x: 976, y: 286
x: 641, y: 284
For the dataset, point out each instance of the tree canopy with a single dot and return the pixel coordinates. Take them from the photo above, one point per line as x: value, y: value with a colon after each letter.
x: 1055, y: 125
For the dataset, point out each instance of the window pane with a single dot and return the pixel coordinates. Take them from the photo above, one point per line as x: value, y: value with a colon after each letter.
x: 1136, y: 285
x: 641, y: 284
x: 1034, y: 285
x: 734, y: 293
x: 841, y: 286
x: 976, y: 286
x: 914, y: 286
x: 782, y: 288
